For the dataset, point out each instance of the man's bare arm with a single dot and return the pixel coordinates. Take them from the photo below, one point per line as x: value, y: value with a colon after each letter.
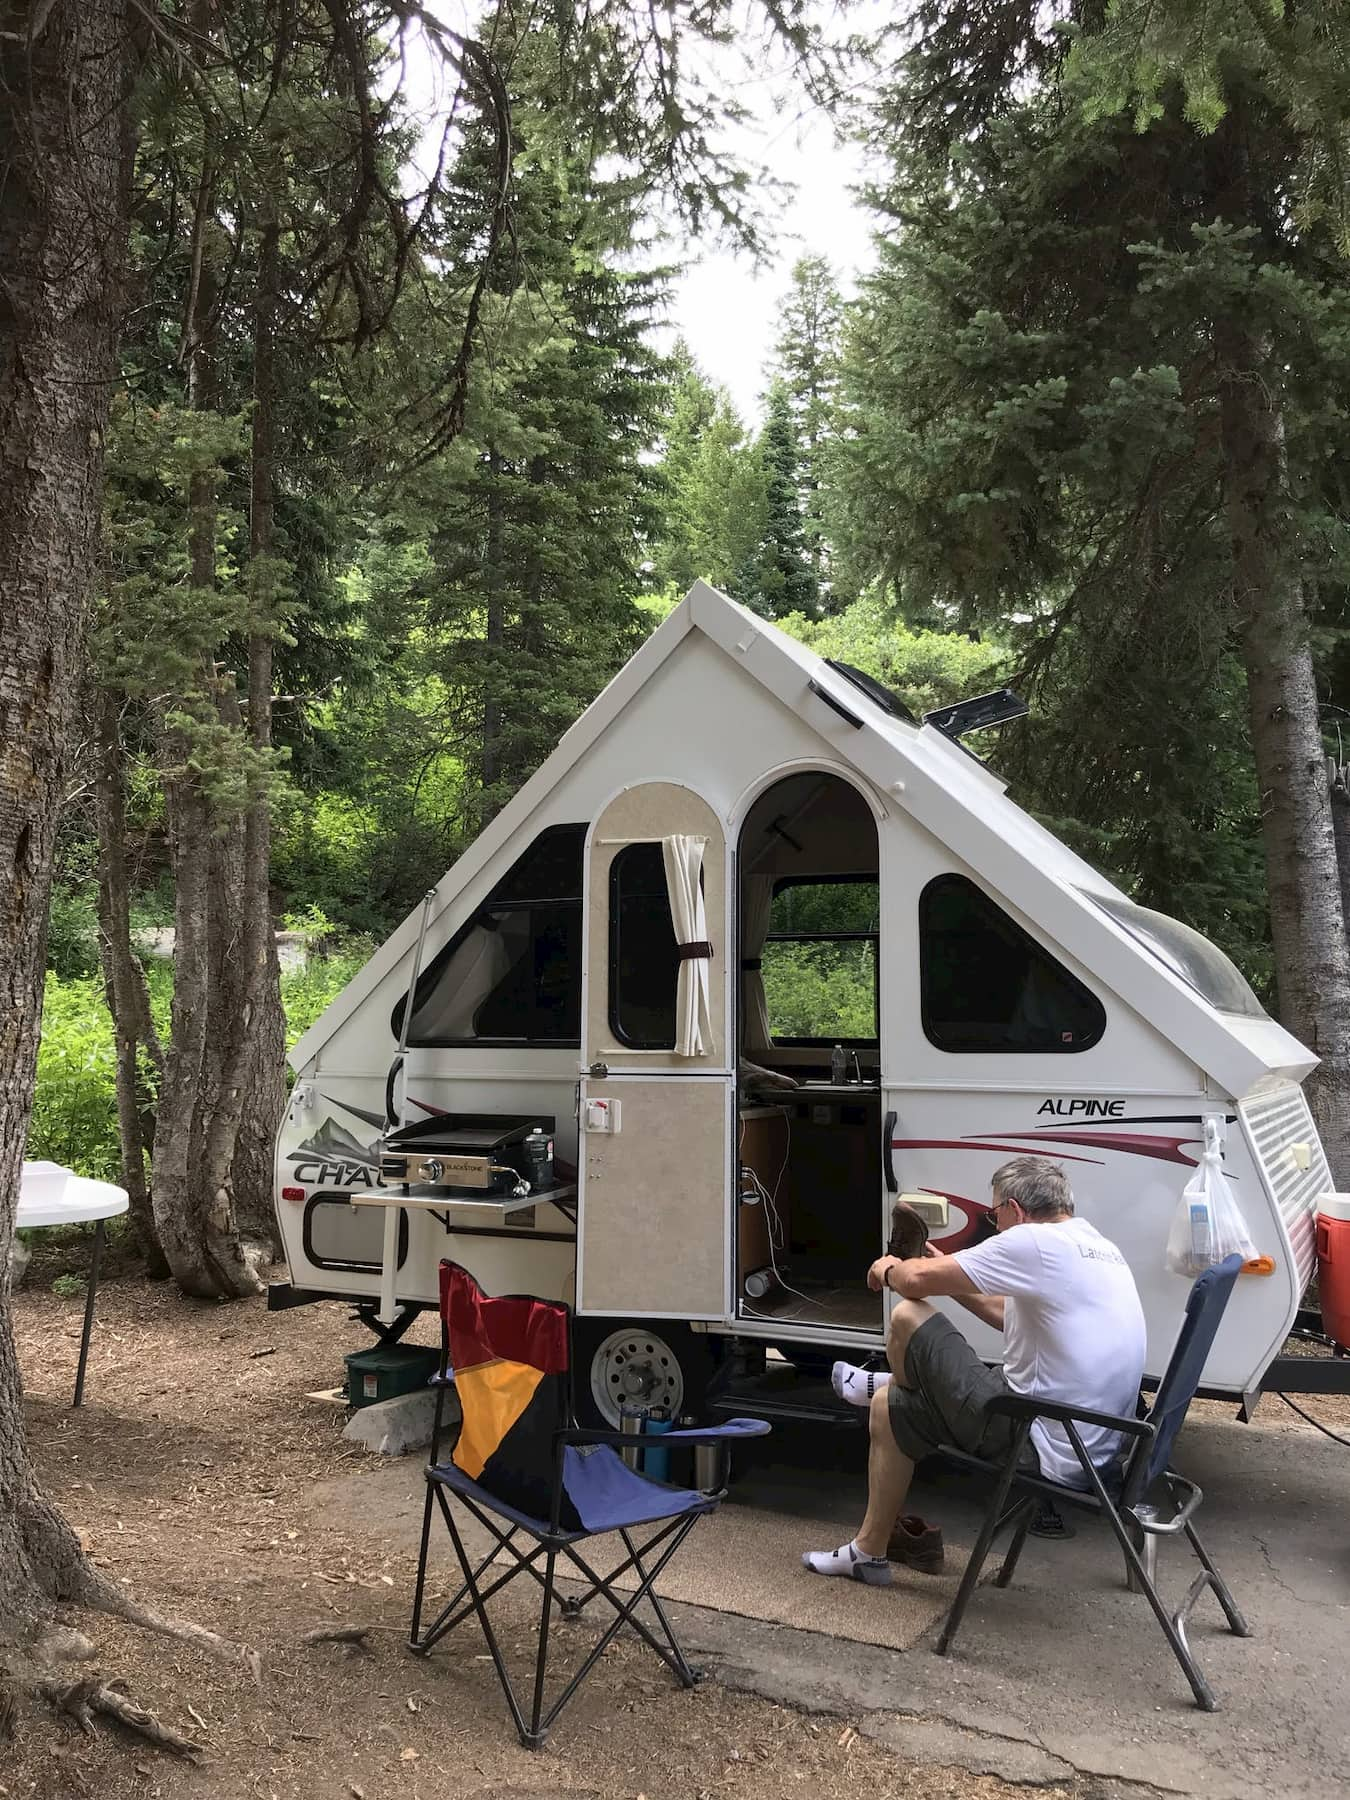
x: 932, y: 1275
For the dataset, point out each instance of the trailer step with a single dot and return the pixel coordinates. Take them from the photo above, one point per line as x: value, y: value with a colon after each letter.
x: 778, y: 1394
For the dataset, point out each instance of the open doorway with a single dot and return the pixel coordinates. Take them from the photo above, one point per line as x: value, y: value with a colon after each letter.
x: 810, y: 1211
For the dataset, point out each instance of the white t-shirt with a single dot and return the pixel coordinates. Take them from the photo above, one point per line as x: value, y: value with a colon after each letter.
x: 1073, y: 1330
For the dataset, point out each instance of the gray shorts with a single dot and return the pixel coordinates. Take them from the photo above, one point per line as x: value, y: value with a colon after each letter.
x: 947, y: 1398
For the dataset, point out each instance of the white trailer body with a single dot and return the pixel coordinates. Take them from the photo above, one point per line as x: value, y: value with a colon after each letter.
x: 1112, y: 1034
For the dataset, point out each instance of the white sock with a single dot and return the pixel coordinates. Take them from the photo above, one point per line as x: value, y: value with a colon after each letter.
x: 855, y: 1385
x: 850, y: 1561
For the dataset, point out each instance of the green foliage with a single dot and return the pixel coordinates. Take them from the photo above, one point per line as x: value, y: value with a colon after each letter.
x: 779, y: 574
x: 1035, y: 448
x: 72, y: 932
x: 306, y: 992
x: 807, y: 362
x: 69, y: 1287
x: 75, y: 1107
x: 714, y: 496
x: 927, y: 669
x: 821, y: 990
x: 74, y: 1119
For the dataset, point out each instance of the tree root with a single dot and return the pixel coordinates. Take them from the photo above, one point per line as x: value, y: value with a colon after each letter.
x: 108, y: 1598
x: 80, y: 1700
x: 355, y: 1637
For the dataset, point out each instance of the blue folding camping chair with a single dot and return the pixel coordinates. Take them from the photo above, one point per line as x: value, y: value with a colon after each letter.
x: 541, y: 1488
x: 1127, y: 1493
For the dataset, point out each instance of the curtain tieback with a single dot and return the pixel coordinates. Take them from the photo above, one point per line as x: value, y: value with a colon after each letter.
x: 695, y: 951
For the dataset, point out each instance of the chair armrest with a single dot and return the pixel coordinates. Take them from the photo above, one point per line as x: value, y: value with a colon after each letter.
x: 1026, y: 1406
x: 632, y: 1440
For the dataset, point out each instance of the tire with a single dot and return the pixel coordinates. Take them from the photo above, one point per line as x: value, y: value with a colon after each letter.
x: 650, y: 1361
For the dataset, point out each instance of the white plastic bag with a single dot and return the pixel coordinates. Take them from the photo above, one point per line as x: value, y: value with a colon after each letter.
x: 1208, y: 1224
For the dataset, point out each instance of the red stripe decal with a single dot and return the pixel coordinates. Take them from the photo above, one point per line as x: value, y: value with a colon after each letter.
x: 1165, y: 1149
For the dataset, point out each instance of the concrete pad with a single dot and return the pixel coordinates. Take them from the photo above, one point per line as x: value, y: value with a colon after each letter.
x: 747, y: 1560
x: 1064, y: 1675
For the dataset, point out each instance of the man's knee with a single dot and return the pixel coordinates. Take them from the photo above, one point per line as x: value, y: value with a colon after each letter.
x: 906, y: 1318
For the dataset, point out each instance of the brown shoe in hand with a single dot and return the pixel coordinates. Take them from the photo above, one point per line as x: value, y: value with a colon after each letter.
x: 909, y: 1233
x: 916, y: 1544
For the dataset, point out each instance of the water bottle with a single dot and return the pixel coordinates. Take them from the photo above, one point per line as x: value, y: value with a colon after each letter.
x: 632, y: 1417
x: 838, y: 1065
x: 656, y: 1463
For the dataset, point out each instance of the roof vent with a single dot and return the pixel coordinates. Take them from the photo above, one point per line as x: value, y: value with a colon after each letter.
x: 977, y: 714
x: 875, y: 691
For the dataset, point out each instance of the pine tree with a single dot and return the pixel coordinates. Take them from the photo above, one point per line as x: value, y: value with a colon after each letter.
x: 713, y: 499
x: 778, y: 577
x: 543, y: 511
x: 806, y: 361
x: 1098, y: 360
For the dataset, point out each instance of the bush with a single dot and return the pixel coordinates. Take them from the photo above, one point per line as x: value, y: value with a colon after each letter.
x: 305, y: 993
x: 75, y: 1105
x: 72, y: 932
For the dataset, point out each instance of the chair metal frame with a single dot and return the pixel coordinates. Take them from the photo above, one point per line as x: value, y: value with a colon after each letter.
x: 556, y: 1545
x: 1121, y: 1495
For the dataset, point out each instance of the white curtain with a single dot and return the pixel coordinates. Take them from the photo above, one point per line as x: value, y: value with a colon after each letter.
x: 756, y: 905
x: 683, y: 858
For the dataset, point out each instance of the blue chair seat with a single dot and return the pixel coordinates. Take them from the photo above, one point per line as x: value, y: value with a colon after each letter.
x: 606, y: 1493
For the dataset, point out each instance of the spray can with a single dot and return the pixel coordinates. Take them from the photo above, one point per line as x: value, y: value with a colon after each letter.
x: 656, y: 1463
x: 632, y: 1417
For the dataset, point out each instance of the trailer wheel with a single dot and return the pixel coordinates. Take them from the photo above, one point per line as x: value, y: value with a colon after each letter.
x: 661, y: 1364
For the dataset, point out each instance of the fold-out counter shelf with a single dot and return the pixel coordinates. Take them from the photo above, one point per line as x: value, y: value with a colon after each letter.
x: 492, y: 1216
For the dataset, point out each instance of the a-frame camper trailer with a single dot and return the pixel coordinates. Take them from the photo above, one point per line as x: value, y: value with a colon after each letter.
x: 740, y: 857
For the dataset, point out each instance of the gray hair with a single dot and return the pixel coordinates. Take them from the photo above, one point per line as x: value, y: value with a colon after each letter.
x: 1040, y: 1187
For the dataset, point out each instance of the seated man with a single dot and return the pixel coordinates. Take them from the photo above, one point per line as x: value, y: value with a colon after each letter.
x: 1065, y: 1300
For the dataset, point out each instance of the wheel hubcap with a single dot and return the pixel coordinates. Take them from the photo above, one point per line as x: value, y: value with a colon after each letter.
x: 636, y: 1367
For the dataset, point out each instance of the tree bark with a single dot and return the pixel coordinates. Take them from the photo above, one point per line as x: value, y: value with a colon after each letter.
x: 124, y: 980
x: 190, y: 1187
x: 264, y: 1082
x: 1312, y: 959
x: 64, y: 212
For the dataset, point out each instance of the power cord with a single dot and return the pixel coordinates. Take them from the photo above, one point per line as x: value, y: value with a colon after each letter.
x: 1316, y: 1424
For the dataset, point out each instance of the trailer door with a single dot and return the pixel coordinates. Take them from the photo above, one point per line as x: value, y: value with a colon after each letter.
x: 654, y: 1141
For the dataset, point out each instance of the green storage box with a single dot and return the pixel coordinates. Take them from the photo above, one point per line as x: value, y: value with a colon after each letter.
x: 386, y: 1370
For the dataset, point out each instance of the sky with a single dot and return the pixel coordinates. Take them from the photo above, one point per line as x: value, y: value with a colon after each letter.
x: 724, y: 304
x: 727, y: 309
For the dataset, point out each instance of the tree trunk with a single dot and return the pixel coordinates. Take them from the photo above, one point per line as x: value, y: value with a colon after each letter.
x: 124, y: 980
x: 64, y: 210
x: 493, y: 639
x: 193, y: 1203
x: 264, y: 1084
x: 1312, y: 959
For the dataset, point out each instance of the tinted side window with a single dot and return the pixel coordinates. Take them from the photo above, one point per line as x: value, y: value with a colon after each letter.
x: 644, y: 964
x: 986, y: 986
x: 512, y: 973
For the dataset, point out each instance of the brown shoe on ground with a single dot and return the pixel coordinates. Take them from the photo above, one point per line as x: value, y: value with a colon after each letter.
x: 916, y: 1544
x: 909, y: 1233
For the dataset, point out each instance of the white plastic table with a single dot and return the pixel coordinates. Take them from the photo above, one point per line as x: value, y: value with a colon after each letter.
x: 51, y: 1195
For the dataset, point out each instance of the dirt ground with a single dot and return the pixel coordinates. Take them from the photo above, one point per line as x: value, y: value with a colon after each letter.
x: 191, y: 1472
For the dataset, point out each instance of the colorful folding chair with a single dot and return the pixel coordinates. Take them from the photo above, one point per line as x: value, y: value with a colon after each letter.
x: 541, y: 1488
